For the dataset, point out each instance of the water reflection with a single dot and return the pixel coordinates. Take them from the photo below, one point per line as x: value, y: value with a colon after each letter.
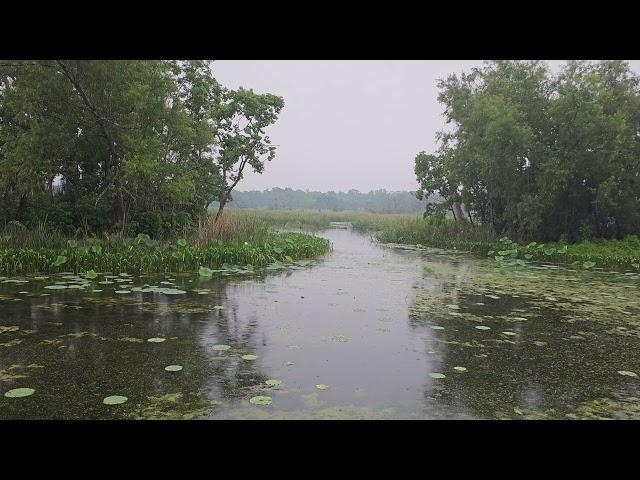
x: 376, y: 324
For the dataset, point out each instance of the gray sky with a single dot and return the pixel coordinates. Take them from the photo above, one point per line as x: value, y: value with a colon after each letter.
x: 347, y: 123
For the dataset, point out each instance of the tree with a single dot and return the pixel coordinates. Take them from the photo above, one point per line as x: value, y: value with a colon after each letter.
x: 538, y: 156
x: 240, y: 120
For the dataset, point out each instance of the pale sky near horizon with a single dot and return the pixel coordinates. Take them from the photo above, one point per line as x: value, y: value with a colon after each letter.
x: 348, y: 123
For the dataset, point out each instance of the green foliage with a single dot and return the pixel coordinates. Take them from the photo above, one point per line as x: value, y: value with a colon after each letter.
x: 537, y: 155
x: 123, y: 145
x: 140, y: 256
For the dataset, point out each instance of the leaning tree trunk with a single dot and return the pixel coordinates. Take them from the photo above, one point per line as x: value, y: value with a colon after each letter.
x: 458, y: 213
x: 223, y: 202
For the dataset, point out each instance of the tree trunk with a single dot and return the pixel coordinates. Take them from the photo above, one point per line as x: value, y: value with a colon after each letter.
x: 458, y: 213
x: 223, y: 202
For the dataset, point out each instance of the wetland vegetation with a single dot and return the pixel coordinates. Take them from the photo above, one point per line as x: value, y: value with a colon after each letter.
x: 135, y: 283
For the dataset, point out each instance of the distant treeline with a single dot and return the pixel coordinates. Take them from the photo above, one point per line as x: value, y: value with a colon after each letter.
x: 377, y: 201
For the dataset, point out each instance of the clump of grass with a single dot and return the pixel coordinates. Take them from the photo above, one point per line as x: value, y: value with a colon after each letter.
x: 230, y: 227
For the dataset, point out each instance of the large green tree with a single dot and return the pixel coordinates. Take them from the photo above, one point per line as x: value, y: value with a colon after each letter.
x: 537, y: 155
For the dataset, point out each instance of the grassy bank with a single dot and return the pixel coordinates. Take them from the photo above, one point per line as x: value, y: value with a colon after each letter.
x: 233, y: 240
x: 308, y: 220
x: 454, y: 236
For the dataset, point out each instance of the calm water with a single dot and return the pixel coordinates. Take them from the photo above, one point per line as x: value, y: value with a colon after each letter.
x: 391, y: 332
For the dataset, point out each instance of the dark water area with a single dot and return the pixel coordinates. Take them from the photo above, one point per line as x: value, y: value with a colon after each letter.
x: 366, y: 332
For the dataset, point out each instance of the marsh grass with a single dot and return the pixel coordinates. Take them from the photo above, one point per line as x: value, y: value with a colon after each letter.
x: 234, y: 239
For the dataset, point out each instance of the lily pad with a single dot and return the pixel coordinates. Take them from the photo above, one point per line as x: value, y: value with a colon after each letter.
x: 91, y: 274
x: 460, y: 369
x: 627, y: 373
x: 341, y: 338
x: 482, y: 327
x: 322, y: 386
x: 221, y: 347
x: 249, y: 357
x: 436, y: 327
x: 19, y: 392
x: 437, y: 375
x: 156, y: 340
x: 261, y: 400
x: 173, y: 368
x: 114, y: 400
x: 273, y: 382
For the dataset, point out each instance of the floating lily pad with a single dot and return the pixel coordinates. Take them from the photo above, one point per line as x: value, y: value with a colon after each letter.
x: 261, y: 400
x: 482, y: 327
x: 627, y: 373
x: 114, y: 400
x: 122, y: 291
x: 322, y: 386
x: 205, y: 272
x: 460, y: 369
x: 273, y: 382
x: 19, y: 392
x: 249, y: 357
x: 173, y: 368
x: 436, y: 327
x: 56, y: 287
x: 218, y: 307
x: 221, y: 347
x: 510, y: 333
x: 437, y: 375
x: 91, y: 274
x: 156, y: 340
x: 341, y: 338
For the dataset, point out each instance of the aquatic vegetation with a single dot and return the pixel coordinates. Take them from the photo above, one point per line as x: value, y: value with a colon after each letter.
x: 174, y: 406
x: 173, y: 368
x: 134, y: 259
x: 114, y: 400
x: 437, y: 375
x: 261, y: 400
x: 249, y: 357
x: 19, y: 392
x: 273, y: 382
x: 156, y: 340
x: 221, y: 347
x: 322, y: 386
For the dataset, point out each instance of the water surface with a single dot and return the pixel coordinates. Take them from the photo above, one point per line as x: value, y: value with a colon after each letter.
x: 388, y: 332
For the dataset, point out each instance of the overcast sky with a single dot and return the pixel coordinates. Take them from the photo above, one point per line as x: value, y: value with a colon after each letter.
x: 347, y: 123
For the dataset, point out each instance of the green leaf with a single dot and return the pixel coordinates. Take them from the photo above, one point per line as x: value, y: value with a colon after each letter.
x: 91, y: 274
x: 437, y: 375
x: 249, y: 357
x: 261, y: 400
x: 173, y: 368
x: 60, y: 260
x: 205, y: 272
x: 273, y: 382
x: 588, y: 264
x: 72, y: 243
x: 114, y: 400
x: 19, y: 392
x: 182, y: 242
x: 322, y: 386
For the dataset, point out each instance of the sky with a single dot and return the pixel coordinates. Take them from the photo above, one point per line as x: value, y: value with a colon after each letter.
x: 348, y: 123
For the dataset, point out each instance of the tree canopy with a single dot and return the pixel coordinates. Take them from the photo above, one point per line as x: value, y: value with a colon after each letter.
x: 537, y: 155
x: 92, y: 145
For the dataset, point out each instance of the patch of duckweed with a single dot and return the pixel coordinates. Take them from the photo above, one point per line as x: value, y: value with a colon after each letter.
x: 174, y: 406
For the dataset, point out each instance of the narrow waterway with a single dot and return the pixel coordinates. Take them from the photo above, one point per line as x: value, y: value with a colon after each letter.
x: 368, y: 331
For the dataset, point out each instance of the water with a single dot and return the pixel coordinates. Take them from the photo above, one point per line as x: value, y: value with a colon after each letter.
x: 360, y: 321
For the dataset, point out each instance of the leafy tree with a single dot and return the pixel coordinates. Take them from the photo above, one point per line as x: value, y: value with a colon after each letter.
x: 240, y: 120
